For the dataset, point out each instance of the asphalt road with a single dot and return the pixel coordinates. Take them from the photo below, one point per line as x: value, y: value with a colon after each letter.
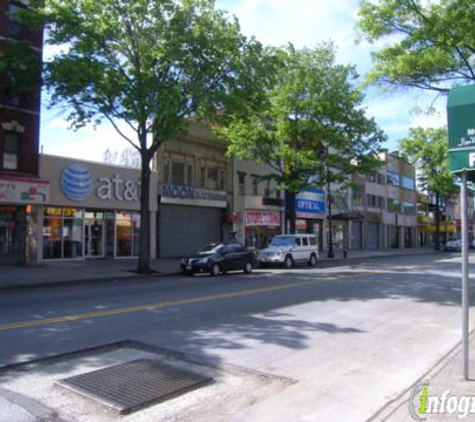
x: 353, y: 336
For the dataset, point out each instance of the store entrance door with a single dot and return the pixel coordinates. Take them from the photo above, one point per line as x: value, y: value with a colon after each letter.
x: 94, y: 238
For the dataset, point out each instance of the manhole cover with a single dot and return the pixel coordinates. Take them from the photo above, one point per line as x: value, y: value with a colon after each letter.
x: 134, y: 385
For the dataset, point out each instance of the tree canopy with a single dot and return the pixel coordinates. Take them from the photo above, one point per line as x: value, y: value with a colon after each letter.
x: 311, y: 129
x: 427, y: 150
x: 428, y: 45
x: 148, y: 66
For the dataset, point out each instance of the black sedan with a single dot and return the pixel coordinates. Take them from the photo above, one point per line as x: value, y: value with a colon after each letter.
x: 217, y: 258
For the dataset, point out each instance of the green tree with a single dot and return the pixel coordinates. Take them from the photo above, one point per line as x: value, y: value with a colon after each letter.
x: 147, y: 65
x: 427, y: 149
x: 311, y: 128
x: 431, y: 44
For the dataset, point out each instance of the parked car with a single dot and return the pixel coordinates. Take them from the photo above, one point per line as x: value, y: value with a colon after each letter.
x: 453, y: 246
x: 288, y: 249
x: 217, y: 258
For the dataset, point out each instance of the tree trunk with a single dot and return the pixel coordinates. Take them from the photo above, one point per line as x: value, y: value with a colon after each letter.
x: 331, y: 253
x: 437, y: 223
x: 291, y: 212
x: 144, y: 256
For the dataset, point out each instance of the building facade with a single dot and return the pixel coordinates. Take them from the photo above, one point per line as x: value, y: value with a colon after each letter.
x: 93, y: 211
x: 257, y: 205
x: 195, y: 192
x: 21, y: 190
x: 384, y: 207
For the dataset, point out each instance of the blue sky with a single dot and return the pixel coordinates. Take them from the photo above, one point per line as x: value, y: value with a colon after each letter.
x: 275, y: 22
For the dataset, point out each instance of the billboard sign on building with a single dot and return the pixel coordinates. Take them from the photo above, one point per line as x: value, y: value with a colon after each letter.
x: 310, y: 203
x: 19, y: 190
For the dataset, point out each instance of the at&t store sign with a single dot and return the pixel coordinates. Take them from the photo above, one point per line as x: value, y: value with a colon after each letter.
x: 78, y: 184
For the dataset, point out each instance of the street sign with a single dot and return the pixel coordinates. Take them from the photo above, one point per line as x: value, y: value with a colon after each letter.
x: 433, y: 207
x: 461, y: 126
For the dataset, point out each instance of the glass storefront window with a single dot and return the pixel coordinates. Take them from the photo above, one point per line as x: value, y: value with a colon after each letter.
x: 72, y: 238
x: 12, y: 229
x: 124, y: 233
x: 136, y: 233
x: 128, y: 234
x: 70, y: 233
x: 52, y: 235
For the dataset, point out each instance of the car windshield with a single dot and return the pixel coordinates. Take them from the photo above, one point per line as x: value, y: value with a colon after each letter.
x: 282, y: 241
x: 210, y: 248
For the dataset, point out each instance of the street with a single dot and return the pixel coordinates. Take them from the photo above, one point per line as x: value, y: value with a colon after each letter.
x: 352, y: 337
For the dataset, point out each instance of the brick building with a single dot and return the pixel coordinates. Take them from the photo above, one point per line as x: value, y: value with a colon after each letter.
x: 20, y: 188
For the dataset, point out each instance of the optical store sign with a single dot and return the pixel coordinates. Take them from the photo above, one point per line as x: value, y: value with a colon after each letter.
x: 78, y: 184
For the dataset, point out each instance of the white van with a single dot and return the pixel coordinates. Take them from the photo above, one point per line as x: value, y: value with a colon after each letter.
x: 288, y: 249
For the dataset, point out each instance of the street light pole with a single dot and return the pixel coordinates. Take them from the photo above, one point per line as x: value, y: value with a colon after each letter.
x: 465, y: 298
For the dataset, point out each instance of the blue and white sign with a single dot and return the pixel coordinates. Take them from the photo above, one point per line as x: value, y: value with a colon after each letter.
x: 310, y: 203
x: 76, y: 182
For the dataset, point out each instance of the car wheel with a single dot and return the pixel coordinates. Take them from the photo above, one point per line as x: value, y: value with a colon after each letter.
x: 215, y: 270
x: 312, y: 261
x: 248, y: 268
x: 288, y: 262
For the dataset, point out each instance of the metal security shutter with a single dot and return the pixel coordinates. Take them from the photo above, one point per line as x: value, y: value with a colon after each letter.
x: 183, y: 229
x: 373, y: 236
x: 357, y: 234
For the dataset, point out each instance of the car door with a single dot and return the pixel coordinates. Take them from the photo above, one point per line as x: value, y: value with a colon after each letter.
x: 297, y: 250
x: 305, y: 248
x: 242, y: 257
x: 230, y: 259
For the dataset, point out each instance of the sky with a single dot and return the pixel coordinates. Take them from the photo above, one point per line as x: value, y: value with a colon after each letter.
x: 304, y: 23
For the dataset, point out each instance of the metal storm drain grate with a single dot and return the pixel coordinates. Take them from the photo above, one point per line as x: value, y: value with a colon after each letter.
x: 134, y: 385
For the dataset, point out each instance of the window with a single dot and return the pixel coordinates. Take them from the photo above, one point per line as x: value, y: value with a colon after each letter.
x: 241, y: 183
x: 189, y: 175
x: 11, y: 149
x: 178, y: 173
x: 15, y: 27
x: 409, y: 208
x: 12, y: 96
x: 357, y: 196
x: 297, y: 241
x: 408, y: 183
x: 255, y: 185
x: 394, y: 205
x: 305, y: 241
x: 222, y: 179
x: 394, y: 178
x: 267, y: 190
x: 203, y: 177
x: 313, y: 241
x: 166, y: 172
x: 374, y: 201
x: 213, y: 176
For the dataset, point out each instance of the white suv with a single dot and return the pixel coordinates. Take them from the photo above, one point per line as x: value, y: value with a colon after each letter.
x: 290, y: 248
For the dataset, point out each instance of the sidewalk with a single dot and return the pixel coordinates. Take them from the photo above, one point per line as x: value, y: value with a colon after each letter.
x: 445, y: 376
x: 47, y: 273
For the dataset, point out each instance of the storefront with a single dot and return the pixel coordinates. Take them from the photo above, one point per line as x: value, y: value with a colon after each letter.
x: 94, y: 210
x: 310, y: 213
x: 190, y: 218
x: 261, y: 227
x: 20, y: 199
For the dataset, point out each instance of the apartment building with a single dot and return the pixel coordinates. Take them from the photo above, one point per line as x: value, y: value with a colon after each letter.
x: 21, y: 191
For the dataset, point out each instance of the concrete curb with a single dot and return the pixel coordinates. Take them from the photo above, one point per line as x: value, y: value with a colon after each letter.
x: 323, y: 263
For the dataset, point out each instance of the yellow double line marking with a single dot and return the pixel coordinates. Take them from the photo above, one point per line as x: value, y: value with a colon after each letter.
x: 152, y: 306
